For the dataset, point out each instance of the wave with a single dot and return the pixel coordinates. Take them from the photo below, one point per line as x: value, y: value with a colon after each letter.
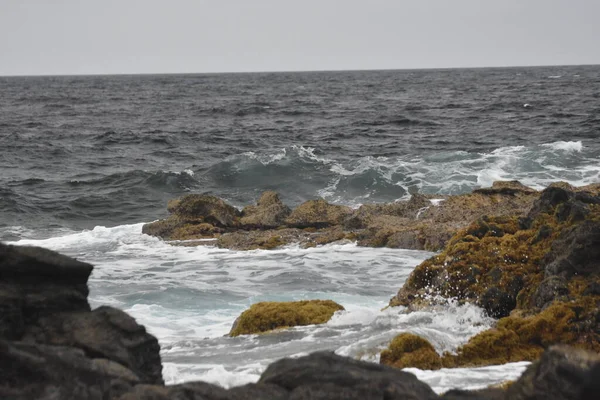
x: 298, y: 173
x: 302, y: 172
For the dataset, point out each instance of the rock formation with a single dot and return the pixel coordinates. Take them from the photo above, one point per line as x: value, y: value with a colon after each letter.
x: 538, y: 272
x: 271, y: 315
x: 417, y: 223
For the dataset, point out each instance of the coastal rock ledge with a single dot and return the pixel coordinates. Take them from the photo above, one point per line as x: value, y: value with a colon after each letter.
x: 54, y: 347
x: 424, y: 222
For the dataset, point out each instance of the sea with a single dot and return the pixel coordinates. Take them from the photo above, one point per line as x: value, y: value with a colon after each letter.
x: 85, y: 161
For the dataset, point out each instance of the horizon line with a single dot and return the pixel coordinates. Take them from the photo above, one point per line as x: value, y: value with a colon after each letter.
x: 294, y: 71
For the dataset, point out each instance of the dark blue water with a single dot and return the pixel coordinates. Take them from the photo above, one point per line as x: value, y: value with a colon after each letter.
x: 76, y: 152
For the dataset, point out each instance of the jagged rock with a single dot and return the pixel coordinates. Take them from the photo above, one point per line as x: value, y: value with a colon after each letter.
x: 269, y: 315
x: 36, y: 282
x: 324, y: 375
x: 550, y: 289
x: 317, y: 214
x: 562, y: 373
x: 269, y: 212
x: 204, y: 208
x: 576, y: 251
x: 34, y: 371
x: 105, y: 332
x: 194, y: 216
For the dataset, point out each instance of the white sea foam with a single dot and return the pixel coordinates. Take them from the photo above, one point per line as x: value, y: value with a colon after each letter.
x: 469, y: 378
x: 189, y: 298
x: 566, y: 146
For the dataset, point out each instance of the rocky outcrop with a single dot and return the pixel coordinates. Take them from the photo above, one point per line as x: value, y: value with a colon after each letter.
x: 46, y: 316
x: 53, y: 347
x: 408, y: 350
x: 269, y: 212
x: 270, y: 315
x: 561, y: 373
x: 537, y: 272
x: 422, y: 222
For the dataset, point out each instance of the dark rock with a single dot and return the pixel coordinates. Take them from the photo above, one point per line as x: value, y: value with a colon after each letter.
x: 325, y: 374
x: 562, y: 373
x: 33, y: 371
x: 572, y: 211
x: 549, y: 199
x: 484, y: 394
x: 576, y: 251
x: 105, y: 332
x: 543, y: 233
x: 497, y: 303
x: 36, y: 282
x: 549, y: 290
x: 593, y: 289
x: 269, y: 212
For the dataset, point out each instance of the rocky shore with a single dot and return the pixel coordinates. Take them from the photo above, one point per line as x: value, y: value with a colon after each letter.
x: 530, y: 259
x: 421, y: 223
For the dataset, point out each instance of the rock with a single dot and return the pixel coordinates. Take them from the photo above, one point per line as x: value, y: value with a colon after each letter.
x: 107, y: 333
x: 409, y: 350
x: 270, y: 315
x: 550, y: 289
x: 562, y: 373
x: 483, y: 394
x: 269, y: 212
x: 324, y: 375
x: 204, y: 208
x: 34, y: 371
x: 576, y: 251
x: 194, y: 216
x: 317, y: 214
x: 36, y: 282
x: 510, y: 188
x: 497, y: 303
x: 551, y: 197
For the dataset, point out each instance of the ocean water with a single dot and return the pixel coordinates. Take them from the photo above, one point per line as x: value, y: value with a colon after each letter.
x: 85, y: 161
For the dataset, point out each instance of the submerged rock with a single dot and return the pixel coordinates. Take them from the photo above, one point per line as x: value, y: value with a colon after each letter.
x: 270, y: 315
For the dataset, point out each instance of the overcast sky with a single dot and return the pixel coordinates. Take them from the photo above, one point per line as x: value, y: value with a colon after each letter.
x: 154, y: 36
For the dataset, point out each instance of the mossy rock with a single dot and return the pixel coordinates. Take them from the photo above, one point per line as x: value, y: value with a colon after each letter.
x: 204, y: 208
x: 267, y: 316
x: 411, y: 351
x: 317, y: 214
x: 524, y: 338
x: 269, y: 212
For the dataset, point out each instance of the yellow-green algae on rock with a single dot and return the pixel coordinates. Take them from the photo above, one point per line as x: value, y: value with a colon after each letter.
x: 270, y: 315
x: 409, y: 350
x: 540, y: 274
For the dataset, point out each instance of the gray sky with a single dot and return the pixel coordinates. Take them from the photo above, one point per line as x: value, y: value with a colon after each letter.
x: 153, y: 36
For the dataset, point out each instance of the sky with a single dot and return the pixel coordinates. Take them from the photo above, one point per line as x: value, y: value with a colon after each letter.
x: 50, y: 37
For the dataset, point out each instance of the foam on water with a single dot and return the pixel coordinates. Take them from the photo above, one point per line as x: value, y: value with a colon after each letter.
x: 189, y: 298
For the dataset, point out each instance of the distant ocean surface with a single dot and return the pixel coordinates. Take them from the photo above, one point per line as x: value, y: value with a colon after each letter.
x: 85, y: 161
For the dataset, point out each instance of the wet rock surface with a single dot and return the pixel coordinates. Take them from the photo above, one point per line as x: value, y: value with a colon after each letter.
x: 538, y: 274
x: 51, y: 349
x: 424, y: 222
